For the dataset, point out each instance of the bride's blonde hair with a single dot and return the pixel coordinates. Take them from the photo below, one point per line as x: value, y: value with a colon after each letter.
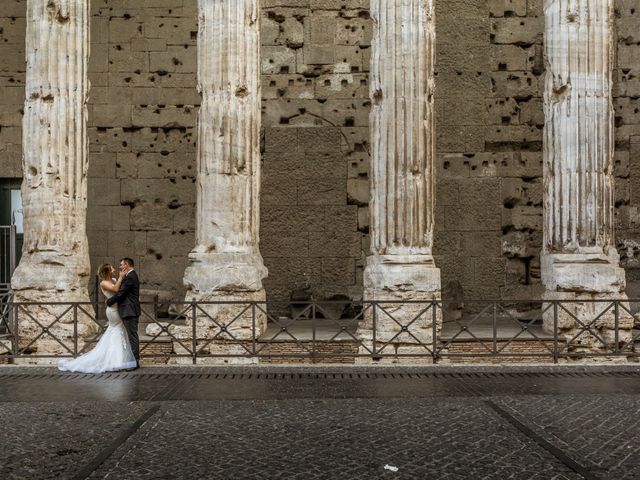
x: 104, y: 271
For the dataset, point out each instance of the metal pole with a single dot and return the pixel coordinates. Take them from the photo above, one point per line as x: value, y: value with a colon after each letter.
x: 495, y: 330
x: 373, y: 349
x: 434, y: 329
x: 555, y: 331
x: 12, y: 249
x: 75, y: 330
x: 194, y: 351
x: 313, y: 332
x: 253, y: 328
x: 616, y: 331
x: 16, y: 338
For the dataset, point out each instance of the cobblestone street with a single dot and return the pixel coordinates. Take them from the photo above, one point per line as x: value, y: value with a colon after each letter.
x: 324, y: 422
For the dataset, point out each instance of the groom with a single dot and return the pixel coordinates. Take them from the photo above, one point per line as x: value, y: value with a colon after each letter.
x: 128, y: 300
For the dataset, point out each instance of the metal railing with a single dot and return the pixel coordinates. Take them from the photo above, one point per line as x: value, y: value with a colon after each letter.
x: 538, y: 330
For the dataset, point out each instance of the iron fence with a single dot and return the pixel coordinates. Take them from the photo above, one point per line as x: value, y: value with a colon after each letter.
x: 436, y: 331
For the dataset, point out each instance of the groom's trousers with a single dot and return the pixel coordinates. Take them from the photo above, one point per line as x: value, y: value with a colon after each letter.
x: 131, y: 325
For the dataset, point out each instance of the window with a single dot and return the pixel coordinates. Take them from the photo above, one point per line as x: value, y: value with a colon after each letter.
x: 10, y: 213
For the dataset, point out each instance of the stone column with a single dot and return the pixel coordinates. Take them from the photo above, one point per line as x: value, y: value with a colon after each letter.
x: 401, y: 265
x: 55, y: 256
x: 579, y: 258
x: 226, y: 264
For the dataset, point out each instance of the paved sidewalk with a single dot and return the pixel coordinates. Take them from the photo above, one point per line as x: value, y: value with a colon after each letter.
x: 322, y: 423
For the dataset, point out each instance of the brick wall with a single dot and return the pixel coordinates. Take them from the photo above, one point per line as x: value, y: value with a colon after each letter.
x: 314, y: 228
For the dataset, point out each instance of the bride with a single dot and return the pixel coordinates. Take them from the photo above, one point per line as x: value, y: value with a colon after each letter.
x: 113, y: 351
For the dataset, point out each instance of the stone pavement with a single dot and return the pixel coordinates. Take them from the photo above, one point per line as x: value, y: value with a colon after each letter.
x: 322, y: 423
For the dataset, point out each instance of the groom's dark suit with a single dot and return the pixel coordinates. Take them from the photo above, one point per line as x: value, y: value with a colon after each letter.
x: 128, y: 300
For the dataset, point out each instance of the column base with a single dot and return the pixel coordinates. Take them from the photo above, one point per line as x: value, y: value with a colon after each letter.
x: 223, y: 273
x: 51, y: 277
x: 44, y: 278
x: 585, y: 285
x: 391, y: 280
x: 228, y: 277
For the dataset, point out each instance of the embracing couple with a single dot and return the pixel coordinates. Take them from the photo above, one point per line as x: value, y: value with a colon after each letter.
x: 118, y: 349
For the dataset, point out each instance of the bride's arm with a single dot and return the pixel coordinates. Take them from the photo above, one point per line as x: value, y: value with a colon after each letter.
x: 118, y: 282
x: 110, y: 287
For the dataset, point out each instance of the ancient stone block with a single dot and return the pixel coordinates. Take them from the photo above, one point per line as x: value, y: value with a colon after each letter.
x: 338, y: 271
x: 358, y: 191
x: 462, y: 111
x: 278, y: 60
x: 502, y: 111
x: 284, y: 220
x: 123, y: 59
x: 511, y: 58
x: 481, y: 244
x: 314, y: 54
x: 502, y: 8
x: 334, y: 244
x: 517, y: 31
x: 457, y: 138
x: 163, y: 116
x: 521, y: 85
x: 285, y: 245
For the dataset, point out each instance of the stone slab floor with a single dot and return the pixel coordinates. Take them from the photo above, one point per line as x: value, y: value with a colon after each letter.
x: 322, y: 423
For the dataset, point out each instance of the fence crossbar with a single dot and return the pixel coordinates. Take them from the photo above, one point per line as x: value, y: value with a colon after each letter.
x: 586, y: 328
x: 45, y: 330
x: 524, y: 328
x: 284, y: 330
x: 466, y: 329
x: 404, y: 329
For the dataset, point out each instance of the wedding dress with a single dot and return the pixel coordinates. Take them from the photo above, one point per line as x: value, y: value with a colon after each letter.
x: 111, y: 353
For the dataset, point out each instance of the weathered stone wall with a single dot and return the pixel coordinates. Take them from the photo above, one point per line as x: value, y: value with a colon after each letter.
x: 314, y: 228
x: 315, y: 165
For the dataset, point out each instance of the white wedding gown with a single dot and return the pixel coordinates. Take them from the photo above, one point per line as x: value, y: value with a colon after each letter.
x: 111, y: 353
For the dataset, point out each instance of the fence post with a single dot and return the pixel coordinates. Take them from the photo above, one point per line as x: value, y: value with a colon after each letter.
x: 194, y: 351
x: 75, y: 330
x: 313, y: 332
x: 12, y: 249
x: 373, y: 348
x: 434, y: 331
x: 253, y: 329
x: 555, y: 331
x: 616, y: 326
x: 495, y: 329
x: 14, y: 325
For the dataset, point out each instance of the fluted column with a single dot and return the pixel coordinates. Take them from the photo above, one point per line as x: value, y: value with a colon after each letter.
x: 402, y: 124
x: 226, y: 263
x: 579, y: 258
x: 55, y: 256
